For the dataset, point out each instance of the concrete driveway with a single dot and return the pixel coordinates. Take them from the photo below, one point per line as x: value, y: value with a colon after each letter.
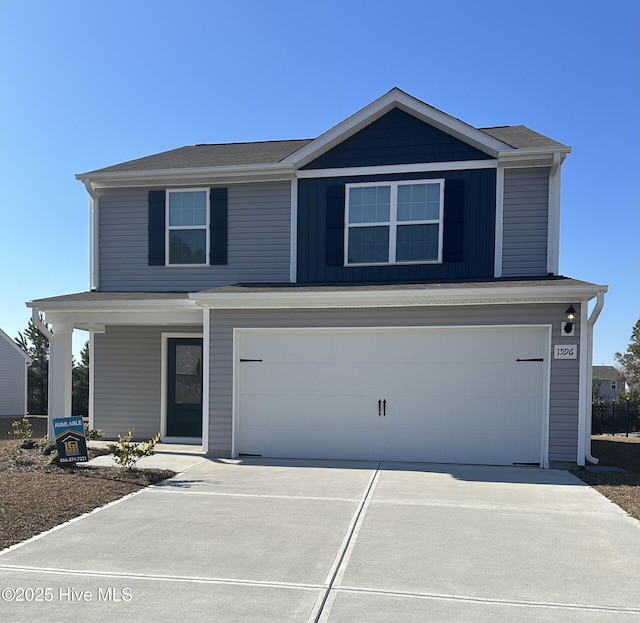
x: 336, y: 542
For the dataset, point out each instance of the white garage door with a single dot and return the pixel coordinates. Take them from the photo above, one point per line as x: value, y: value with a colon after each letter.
x: 417, y: 394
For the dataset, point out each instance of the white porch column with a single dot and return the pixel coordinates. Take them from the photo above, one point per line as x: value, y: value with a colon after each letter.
x: 60, y: 354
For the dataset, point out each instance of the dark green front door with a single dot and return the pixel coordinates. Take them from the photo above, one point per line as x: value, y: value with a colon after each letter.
x: 184, y: 387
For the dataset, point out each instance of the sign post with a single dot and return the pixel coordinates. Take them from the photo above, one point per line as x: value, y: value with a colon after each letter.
x: 70, y: 440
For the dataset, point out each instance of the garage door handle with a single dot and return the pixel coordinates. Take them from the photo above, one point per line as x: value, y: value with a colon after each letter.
x: 384, y: 407
x: 379, y: 407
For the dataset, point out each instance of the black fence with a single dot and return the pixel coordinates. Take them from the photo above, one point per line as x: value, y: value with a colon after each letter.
x: 615, y: 417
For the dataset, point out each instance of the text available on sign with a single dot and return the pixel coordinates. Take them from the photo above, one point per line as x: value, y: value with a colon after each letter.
x: 70, y: 440
x: 565, y: 351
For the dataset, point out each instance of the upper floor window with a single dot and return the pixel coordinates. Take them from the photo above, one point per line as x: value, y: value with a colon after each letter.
x: 394, y: 222
x: 188, y: 227
x: 614, y: 385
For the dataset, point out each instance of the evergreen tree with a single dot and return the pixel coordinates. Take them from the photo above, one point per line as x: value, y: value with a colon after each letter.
x: 80, y: 383
x: 630, y: 363
x: 36, y: 346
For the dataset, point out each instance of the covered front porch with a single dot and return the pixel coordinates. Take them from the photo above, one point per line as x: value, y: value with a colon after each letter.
x: 147, y: 363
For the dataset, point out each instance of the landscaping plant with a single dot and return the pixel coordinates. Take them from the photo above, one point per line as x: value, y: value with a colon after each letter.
x: 127, y: 453
x: 23, y: 431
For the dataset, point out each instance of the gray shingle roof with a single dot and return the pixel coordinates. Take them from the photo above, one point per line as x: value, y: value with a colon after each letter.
x: 272, y: 152
x: 211, y: 155
x: 606, y: 373
x: 520, y: 137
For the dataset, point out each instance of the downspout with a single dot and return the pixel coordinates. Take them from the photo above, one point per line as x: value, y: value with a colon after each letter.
x: 35, y: 318
x: 592, y: 321
x: 93, y: 236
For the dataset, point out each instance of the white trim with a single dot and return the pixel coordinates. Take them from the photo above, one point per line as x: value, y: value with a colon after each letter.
x: 553, y: 221
x: 92, y: 373
x: 94, y: 257
x: 400, y: 297
x: 418, y: 167
x: 546, y: 380
x: 206, y: 381
x: 584, y: 383
x: 593, y: 318
x: 393, y: 223
x: 497, y: 270
x: 230, y: 174
x: 546, y: 404
x: 234, y: 390
x: 293, y: 260
x: 169, y: 228
x: 396, y: 98
x: 164, y: 367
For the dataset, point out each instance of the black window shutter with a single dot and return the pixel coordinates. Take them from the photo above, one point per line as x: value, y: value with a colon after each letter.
x: 157, y: 228
x: 218, y: 223
x: 453, y: 236
x: 334, y: 239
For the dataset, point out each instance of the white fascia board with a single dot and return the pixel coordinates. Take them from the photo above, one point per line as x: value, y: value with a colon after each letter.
x: 419, y: 167
x: 381, y: 106
x: 114, y: 305
x: 4, y: 336
x: 534, y: 156
x: 191, y: 175
x: 84, y: 319
x: 397, y: 298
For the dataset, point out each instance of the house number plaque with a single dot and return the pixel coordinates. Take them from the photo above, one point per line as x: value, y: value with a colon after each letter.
x: 565, y: 351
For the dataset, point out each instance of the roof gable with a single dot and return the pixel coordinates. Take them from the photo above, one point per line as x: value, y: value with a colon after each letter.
x: 6, y: 338
x: 398, y: 99
x: 397, y: 137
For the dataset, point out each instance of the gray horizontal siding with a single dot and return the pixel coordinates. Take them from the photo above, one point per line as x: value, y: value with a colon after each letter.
x: 12, y: 381
x: 127, y: 379
x: 258, y: 242
x: 564, y: 373
x: 525, y: 222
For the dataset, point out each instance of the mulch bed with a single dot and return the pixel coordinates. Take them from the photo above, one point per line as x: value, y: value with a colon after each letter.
x: 621, y: 488
x: 36, y: 495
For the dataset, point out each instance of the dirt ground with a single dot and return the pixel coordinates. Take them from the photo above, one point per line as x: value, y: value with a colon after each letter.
x: 621, y: 488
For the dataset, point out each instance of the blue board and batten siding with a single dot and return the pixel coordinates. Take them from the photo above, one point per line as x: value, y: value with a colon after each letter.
x: 396, y: 138
x: 258, y: 242
x: 469, y: 230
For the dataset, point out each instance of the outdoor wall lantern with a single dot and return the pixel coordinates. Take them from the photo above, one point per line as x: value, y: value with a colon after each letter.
x: 569, y: 326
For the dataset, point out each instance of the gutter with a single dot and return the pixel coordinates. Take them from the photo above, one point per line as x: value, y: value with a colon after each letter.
x: 35, y: 318
x: 588, y: 415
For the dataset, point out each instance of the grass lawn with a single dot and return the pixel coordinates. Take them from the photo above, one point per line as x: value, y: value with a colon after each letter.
x: 36, y: 496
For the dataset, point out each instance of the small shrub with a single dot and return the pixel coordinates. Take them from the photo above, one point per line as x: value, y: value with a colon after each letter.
x: 48, y: 447
x: 23, y: 432
x: 127, y: 453
x: 92, y: 433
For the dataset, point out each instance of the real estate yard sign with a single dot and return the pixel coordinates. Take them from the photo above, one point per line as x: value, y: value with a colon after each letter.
x: 70, y: 439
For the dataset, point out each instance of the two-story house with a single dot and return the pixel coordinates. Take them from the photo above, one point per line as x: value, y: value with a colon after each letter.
x: 388, y: 290
x: 610, y: 384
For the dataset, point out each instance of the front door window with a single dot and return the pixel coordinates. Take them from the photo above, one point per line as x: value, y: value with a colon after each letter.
x: 184, y: 400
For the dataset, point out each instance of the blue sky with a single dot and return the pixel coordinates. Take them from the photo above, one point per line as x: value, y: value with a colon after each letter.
x: 86, y: 84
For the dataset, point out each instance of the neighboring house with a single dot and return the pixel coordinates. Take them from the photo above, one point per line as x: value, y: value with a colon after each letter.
x: 389, y: 290
x: 13, y: 378
x: 610, y: 381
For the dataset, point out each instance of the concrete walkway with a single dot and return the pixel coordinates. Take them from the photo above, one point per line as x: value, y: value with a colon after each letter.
x: 336, y: 542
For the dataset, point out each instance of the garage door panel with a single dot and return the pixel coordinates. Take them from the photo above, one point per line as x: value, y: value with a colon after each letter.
x: 452, y: 395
